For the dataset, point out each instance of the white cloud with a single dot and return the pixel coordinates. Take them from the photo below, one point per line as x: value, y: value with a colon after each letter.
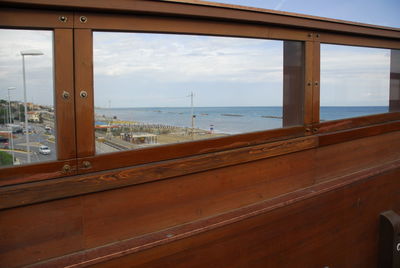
x: 39, y: 70
x: 175, y: 63
x: 354, y: 76
x: 188, y: 58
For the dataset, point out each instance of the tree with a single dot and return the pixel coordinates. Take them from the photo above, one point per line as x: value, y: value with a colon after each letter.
x: 5, y: 159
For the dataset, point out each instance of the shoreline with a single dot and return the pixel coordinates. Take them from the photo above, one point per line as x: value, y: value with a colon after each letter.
x: 113, y: 134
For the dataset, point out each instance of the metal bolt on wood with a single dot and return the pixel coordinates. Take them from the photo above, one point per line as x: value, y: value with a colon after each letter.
x: 63, y: 18
x: 83, y: 19
x: 86, y: 164
x: 66, y: 168
x: 65, y: 95
x: 83, y: 94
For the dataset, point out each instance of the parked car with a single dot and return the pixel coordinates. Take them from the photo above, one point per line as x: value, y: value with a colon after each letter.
x: 43, y: 149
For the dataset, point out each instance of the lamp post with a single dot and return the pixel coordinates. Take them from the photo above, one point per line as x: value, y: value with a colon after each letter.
x: 23, y: 54
x: 11, y: 132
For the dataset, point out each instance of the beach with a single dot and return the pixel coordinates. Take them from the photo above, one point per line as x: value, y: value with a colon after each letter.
x: 132, y: 128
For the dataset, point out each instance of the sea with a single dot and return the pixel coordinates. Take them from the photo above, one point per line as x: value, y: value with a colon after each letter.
x: 229, y: 120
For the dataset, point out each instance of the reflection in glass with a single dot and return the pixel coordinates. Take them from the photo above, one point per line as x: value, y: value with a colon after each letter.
x: 355, y: 81
x: 154, y: 89
x: 26, y: 97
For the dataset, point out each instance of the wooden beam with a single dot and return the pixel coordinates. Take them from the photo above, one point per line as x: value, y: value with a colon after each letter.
x: 84, y: 99
x: 293, y: 83
x: 219, y: 12
x: 64, y: 94
x: 394, y: 96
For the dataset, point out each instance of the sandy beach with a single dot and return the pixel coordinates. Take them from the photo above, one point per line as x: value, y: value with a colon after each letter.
x: 113, y: 134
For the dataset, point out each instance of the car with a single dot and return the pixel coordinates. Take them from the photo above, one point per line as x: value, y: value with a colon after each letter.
x: 43, y: 149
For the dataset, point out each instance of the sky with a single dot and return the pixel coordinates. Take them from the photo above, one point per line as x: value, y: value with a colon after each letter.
x: 155, y: 70
x: 378, y: 12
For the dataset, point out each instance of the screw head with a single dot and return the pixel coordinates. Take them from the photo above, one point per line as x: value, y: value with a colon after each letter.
x: 63, y: 18
x: 65, y: 95
x: 66, y: 168
x: 86, y: 164
x: 83, y: 19
x: 83, y: 94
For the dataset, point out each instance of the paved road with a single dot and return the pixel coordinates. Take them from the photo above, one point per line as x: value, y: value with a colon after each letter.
x: 36, y: 138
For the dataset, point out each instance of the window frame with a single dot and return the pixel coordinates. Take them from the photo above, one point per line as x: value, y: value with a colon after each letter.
x: 65, y: 164
x: 151, y: 24
x: 74, y: 72
x: 358, y: 121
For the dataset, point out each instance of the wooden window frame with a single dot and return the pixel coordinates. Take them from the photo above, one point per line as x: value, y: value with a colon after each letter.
x: 63, y: 78
x: 74, y: 72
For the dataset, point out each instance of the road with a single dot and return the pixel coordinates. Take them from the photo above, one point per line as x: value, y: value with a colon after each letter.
x: 37, y: 137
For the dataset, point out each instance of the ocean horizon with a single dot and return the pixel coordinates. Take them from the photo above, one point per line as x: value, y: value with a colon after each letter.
x: 229, y: 120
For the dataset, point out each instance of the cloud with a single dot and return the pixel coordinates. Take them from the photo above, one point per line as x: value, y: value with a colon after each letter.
x: 354, y: 76
x: 176, y: 63
x: 39, y: 70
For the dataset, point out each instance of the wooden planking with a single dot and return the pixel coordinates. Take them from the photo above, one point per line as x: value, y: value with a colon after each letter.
x: 148, y: 241
x: 352, y: 134
x: 335, y: 229
x: 342, y: 124
x: 36, y: 19
x: 36, y: 172
x: 179, y: 150
x: 140, y: 23
x: 84, y: 107
x: 191, y: 197
x: 33, y: 233
x: 218, y: 12
x: 353, y: 40
x: 124, y: 213
x: 64, y: 83
x: 52, y: 189
x: 344, y: 158
x: 47, y: 190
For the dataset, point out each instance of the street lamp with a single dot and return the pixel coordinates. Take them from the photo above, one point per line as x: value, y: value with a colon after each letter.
x: 23, y: 54
x: 10, y: 126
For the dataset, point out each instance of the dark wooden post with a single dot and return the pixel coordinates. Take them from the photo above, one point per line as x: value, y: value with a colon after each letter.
x: 293, y: 83
x: 394, y: 101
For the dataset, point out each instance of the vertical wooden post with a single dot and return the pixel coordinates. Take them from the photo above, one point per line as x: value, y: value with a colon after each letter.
x: 84, y: 99
x: 316, y: 82
x: 394, y: 96
x: 64, y: 94
x: 293, y: 83
x: 308, y: 83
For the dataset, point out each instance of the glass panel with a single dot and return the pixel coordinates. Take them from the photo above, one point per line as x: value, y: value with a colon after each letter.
x: 355, y: 81
x: 27, y: 133
x: 154, y: 89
